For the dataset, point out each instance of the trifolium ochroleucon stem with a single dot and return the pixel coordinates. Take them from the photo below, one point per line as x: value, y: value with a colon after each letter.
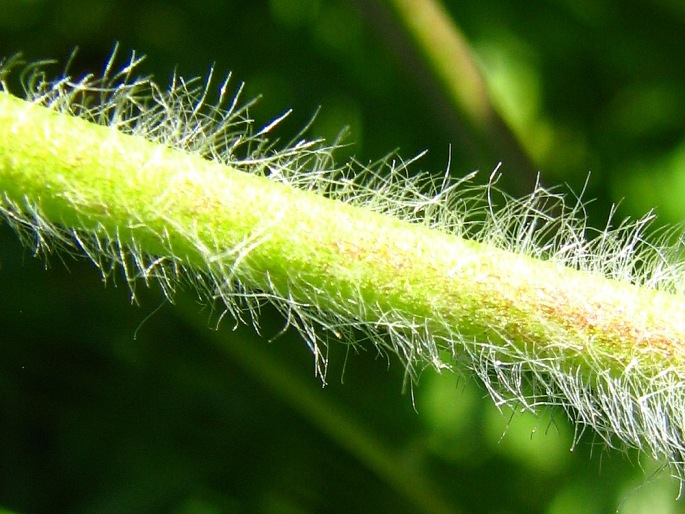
x: 169, y: 186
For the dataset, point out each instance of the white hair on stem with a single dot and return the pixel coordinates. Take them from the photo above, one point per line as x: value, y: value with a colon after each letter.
x: 557, y: 314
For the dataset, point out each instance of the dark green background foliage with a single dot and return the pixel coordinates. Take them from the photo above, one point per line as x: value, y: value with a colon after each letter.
x: 108, y: 407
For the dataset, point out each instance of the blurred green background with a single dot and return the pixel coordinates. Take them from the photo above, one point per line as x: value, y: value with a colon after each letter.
x: 111, y: 407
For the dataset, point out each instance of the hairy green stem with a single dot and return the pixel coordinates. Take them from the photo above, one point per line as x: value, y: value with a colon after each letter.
x: 272, y: 236
x: 344, y: 256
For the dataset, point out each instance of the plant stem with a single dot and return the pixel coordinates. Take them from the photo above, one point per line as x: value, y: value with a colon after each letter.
x: 610, y: 352
x: 454, y: 65
x: 364, y: 264
x: 341, y: 426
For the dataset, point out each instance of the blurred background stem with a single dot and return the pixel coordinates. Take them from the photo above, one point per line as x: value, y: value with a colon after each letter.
x: 401, y: 475
x: 430, y: 43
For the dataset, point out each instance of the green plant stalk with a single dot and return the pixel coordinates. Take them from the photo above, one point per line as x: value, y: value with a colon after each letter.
x: 535, y: 331
x: 89, y: 177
